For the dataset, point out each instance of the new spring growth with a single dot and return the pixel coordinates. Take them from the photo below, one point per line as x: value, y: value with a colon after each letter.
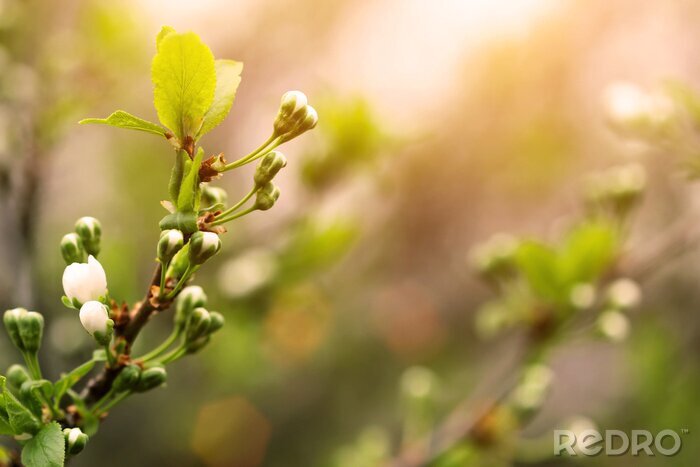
x: 17, y: 375
x: 294, y: 116
x: 151, y: 378
x: 201, y: 336
x: 170, y: 243
x: 198, y: 324
x: 90, y: 231
x: 127, y: 379
x: 266, y: 197
x: 94, y: 317
x: 25, y: 329
x: 269, y: 166
x: 84, y: 282
x: 203, y: 245
x: 213, y: 197
x: 75, y: 440
x: 190, y: 298
x: 72, y: 248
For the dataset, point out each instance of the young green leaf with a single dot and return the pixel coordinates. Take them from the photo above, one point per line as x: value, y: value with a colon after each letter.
x: 121, y: 119
x: 20, y: 418
x: 46, y: 449
x: 228, y: 77
x: 164, y: 31
x: 189, y: 189
x: 184, y: 77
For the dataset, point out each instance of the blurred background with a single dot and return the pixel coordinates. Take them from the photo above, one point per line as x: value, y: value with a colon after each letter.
x: 441, y: 123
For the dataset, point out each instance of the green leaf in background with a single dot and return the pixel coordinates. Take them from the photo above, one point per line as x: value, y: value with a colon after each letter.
x: 538, y: 263
x: 20, y: 418
x: 589, y: 250
x: 67, y: 381
x: 3, y: 381
x: 184, y: 77
x: 188, y: 196
x: 121, y: 119
x: 164, y: 31
x: 46, y: 449
x: 228, y: 77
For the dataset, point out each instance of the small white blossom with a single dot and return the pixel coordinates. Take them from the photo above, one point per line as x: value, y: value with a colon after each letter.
x: 85, y: 281
x: 94, y: 317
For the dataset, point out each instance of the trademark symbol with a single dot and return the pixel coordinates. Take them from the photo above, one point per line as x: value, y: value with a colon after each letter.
x: 685, y: 431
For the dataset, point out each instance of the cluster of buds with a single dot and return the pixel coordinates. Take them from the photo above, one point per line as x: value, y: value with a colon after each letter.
x: 84, y: 241
x: 495, y: 259
x: 194, y: 321
x: 617, y: 190
x: 25, y: 329
x: 294, y: 117
x: 132, y: 378
x: 621, y: 296
x: 636, y: 112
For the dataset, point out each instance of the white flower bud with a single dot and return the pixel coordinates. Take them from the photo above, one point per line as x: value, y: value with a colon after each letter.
x: 302, y: 123
x: 94, y: 317
x: 85, y: 281
x: 292, y: 102
x: 203, y: 245
x: 293, y: 110
x: 170, y: 242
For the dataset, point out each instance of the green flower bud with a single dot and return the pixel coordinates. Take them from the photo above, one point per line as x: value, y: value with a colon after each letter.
x: 11, y: 318
x: 90, y: 231
x: 266, y: 197
x: 127, y: 379
x: 31, y: 329
x: 151, y: 378
x: 304, y: 124
x: 17, y: 375
x: 72, y: 249
x: 269, y: 166
x: 213, y: 196
x: 190, y: 298
x: 170, y: 243
x: 203, y: 245
x: 75, y: 440
x: 216, y: 322
x: 292, y: 111
x: 198, y: 324
x: 179, y: 263
x: 198, y: 344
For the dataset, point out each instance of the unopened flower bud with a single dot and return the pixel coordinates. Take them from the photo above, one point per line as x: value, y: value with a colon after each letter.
x: 151, y: 378
x: 197, y: 345
x: 170, y: 242
x: 127, y: 379
x: 198, y: 324
x: 85, y: 282
x: 269, y: 166
x: 72, y: 248
x: 216, y: 322
x: 266, y: 197
x: 11, y: 318
x: 213, y: 196
x: 613, y: 325
x: 90, y: 231
x: 31, y: 330
x: 94, y: 317
x: 308, y: 122
x: 203, y: 245
x: 17, y: 375
x: 75, y: 440
x: 190, y: 298
x: 292, y: 110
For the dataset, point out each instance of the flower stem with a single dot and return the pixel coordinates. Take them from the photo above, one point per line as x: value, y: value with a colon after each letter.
x: 111, y: 359
x: 32, y: 365
x: 273, y: 140
x: 238, y: 204
x: 163, y: 273
x: 181, y: 283
x: 162, y: 347
x: 234, y: 216
x: 174, y: 355
x: 112, y: 403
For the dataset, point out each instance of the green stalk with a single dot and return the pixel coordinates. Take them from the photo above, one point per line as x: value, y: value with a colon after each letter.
x: 32, y: 362
x: 183, y: 280
x: 238, y: 204
x: 162, y: 347
x: 263, y: 149
x: 235, y: 216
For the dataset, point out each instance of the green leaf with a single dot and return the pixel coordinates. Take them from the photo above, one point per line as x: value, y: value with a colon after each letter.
x: 3, y: 382
x: 589, y: 251
x: 68, y: 380
x: 538, y: 263
x: 184, y: 77
x: 189, y: 189
x: 186, y: 222
x: 176, y: 174
x: 5, y: 428
x: 21, y: 419
x: 228, y: 77
x: 46, y: 449
x: 121, y: 119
